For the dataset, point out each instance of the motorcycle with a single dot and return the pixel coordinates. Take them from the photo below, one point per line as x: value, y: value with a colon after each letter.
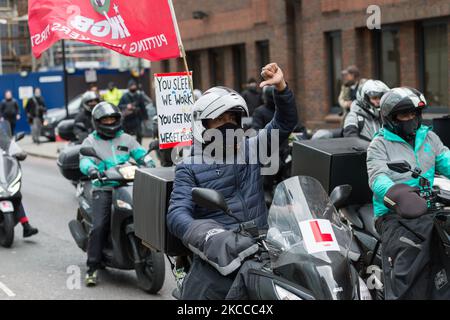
x: 10, y: 183
x: 124, y: 250
x: 284, y: 172
x: 305, y: 253
x: 438, y: 198
x: 360, y: 220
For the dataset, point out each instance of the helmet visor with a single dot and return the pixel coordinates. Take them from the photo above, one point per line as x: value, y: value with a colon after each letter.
x: 375, y: 94
x: 109, y: 120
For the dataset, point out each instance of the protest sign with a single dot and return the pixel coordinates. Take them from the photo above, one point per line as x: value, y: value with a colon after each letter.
x: 174, y: 102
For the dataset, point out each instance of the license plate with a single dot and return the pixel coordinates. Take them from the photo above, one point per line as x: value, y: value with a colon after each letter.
x: 6, y: 206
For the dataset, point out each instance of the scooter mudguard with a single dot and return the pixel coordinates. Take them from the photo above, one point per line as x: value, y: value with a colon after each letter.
x: 121, y: 217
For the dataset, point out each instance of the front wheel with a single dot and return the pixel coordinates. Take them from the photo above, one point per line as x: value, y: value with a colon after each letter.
x: 7, y: 225
x: 151, y: 271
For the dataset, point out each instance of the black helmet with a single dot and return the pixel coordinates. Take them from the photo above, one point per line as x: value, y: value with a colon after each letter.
x: 89, y: 100
x: 105, y: 110
x: 401, y: 100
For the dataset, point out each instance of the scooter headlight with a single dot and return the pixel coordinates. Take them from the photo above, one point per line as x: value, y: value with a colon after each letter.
x: 284, y: 294
x: 14, y: 187
x: 124, y: 205
x: 128, y: 172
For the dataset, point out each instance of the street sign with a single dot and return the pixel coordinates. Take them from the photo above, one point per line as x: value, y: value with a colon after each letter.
x: 25, y: 92
x: 90, y: 76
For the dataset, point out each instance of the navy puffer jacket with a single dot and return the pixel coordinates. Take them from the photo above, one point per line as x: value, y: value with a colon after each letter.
x: 240, y: 184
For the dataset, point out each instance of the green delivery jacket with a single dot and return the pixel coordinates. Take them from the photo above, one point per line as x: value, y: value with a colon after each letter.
x: 430, y: 155
x: 113, y: 152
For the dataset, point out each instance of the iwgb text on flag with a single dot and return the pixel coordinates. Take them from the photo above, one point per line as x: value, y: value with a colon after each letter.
x: 138, y: 28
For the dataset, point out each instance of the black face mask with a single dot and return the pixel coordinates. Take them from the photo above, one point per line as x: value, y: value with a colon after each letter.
x: 407, y: 129
x: 227, y: 145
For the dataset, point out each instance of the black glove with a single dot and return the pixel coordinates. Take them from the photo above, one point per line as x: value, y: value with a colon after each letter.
x: 224, y: 249
x: 405, y: 201
x: 94, y: 174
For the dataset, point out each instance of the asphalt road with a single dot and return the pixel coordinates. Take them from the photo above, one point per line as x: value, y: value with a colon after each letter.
x: 47, y: 266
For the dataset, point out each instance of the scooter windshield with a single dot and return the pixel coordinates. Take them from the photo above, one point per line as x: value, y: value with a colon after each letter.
x: 307, y: 242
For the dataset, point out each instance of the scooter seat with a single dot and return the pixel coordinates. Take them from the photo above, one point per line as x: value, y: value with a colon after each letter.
x: 367, y: 216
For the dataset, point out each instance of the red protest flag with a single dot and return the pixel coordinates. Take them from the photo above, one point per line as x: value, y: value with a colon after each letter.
x: 140, y: 28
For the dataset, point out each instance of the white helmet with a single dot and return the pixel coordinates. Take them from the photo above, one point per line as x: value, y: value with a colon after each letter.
x: 371, y: 89
x: 89, y: 100
x: 212, y: 104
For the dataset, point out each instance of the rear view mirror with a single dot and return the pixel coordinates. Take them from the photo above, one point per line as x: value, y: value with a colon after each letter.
x: 21, y: 156
x: 20, y: 136
x: 399, y: 166
x: 209, y: 199
x: 340, y: 195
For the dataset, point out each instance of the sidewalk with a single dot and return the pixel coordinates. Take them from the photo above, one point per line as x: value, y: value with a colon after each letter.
x: 50, y: 150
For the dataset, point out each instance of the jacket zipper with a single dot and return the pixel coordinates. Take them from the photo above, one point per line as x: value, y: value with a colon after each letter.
x: 238, y: 188
x: 113, y: 152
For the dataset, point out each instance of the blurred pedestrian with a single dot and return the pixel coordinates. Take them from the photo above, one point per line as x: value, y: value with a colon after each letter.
x: 252, y: 96
x: 36, y: 109
x: 9, y: 110
x: 83, y: 125
x: 133, y: 106
x: 113, y: 95
x: 264, y: 113
x: 94, y: 87
x: 351, y: 81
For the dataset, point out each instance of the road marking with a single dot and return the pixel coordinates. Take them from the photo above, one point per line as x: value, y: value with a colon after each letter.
x: 6, y: 290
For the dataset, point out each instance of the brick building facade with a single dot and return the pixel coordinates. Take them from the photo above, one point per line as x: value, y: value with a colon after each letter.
x: 228, y: 42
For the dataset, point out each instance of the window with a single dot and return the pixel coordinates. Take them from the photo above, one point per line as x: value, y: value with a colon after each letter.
x: 194, y: 61
x: 263, y: 51
x: 217, y: 66
x: 239, y: 67
x: 434, y: 66
x: 387, y: 54
x: 165, y: 66
x: 4, y: 3
x: 334, y: 44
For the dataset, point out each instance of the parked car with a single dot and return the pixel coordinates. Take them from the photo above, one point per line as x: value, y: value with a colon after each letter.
x: 54, y: 116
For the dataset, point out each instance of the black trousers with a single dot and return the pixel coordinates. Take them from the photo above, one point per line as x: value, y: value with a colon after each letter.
x: 98, y: 237
x: 414, y: 265
x: 12, y: 124
x: 203, y: 282
x: 20, y: 212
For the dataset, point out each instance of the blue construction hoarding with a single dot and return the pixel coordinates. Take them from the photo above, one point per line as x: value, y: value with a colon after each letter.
x: 52, y: 86
x: 51, y: 83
